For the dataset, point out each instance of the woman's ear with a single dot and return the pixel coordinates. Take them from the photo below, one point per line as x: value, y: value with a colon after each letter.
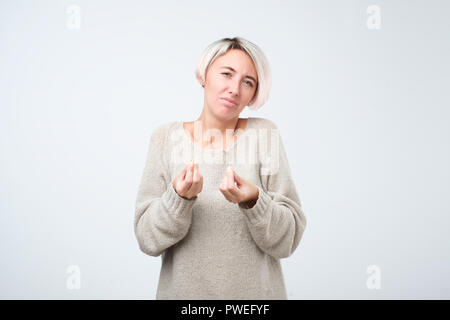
x: 200, y: 80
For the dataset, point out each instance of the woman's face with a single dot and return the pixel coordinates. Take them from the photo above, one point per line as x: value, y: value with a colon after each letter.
x: 232, y: 76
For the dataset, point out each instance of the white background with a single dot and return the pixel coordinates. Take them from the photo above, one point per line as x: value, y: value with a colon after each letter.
x: 363, y: 113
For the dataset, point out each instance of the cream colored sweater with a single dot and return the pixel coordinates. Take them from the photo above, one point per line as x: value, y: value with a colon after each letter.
x: 212, y: 248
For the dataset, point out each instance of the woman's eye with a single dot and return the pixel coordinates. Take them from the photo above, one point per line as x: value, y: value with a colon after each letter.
x: 249, y: 83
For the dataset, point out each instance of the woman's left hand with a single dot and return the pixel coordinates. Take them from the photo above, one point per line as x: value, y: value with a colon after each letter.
x: 236, y: 189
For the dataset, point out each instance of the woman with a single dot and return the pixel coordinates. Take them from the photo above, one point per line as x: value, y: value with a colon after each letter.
x: 223, y: 221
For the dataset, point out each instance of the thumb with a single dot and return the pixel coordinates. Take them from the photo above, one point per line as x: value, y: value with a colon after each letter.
x: 196, y: 174
x: 239, y: 179
x: 230, y: 176
x: 182, y: 174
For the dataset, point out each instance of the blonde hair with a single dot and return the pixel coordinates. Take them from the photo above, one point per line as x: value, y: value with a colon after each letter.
x: 222, y: 46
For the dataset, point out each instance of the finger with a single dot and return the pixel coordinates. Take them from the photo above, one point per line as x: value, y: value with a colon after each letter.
x: 188, y: 179
x: 234, y: 192
x: 233, y: 189
x: 229, y: 196
x: 186, y: 169
x: 196, y: 175
x: 230, y: 177
x: 189, y: 172
x: 239, y: 180
x: 182, y: 174
x: 179, y: 178
x: 201, y: 183
x: 195, y: 179
x: 222, y: 184
x: 226, y: 191
x: 200, y: 178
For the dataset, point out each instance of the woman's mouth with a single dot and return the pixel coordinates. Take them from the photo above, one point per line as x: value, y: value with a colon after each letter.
x: 228, y: 102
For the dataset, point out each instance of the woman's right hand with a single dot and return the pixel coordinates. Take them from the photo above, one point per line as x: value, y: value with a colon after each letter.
x: 189, y: 182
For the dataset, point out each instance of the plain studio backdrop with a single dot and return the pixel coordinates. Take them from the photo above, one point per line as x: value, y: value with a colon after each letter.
x: 360, y: 95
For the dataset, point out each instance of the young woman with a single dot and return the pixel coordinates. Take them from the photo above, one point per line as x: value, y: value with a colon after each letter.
x: 216, y: 199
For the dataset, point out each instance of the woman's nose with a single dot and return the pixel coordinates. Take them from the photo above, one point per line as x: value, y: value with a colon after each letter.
x: 234, y: 88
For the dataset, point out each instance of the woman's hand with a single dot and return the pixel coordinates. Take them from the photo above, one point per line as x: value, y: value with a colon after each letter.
x: 189, y: 182
x: 236, y: 189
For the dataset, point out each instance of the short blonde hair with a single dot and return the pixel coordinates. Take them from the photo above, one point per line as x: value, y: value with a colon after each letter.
x: 222, y: 46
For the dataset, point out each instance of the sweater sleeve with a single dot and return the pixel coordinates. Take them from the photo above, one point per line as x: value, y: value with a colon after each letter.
x: 276, y: 221
x: 162, y: 217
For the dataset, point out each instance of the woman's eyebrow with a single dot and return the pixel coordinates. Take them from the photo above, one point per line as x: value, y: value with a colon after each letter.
x: 226, y: 67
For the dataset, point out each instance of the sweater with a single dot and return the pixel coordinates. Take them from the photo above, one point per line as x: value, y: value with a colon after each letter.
x: 211, y: 248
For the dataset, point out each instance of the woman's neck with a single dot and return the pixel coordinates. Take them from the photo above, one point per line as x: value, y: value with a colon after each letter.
x: 210, y: 122
x: 206, y: 127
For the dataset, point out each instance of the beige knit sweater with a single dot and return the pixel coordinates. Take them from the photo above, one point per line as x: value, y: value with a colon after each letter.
x: 212, y: 248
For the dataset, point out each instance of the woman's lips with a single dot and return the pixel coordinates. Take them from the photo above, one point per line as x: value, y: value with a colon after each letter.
x: 227, y: 102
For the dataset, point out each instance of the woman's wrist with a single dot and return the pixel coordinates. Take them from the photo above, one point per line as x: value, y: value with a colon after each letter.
x: 252, y: 199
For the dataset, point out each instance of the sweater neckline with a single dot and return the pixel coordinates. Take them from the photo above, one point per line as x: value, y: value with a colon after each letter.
x: 193, y: 144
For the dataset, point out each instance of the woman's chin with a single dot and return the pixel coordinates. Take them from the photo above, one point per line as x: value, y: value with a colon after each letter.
x: 226, y: 113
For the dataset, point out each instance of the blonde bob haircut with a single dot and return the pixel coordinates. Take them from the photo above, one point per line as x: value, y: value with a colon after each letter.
x: 222, y: 46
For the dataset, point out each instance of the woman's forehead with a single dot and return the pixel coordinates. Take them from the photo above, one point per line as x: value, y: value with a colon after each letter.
x: 236, y: 61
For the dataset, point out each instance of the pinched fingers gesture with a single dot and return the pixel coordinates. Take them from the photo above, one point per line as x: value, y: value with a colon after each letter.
x: 189, y: 182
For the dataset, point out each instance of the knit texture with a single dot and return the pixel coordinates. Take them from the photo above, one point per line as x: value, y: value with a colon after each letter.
x: 211, y: 248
